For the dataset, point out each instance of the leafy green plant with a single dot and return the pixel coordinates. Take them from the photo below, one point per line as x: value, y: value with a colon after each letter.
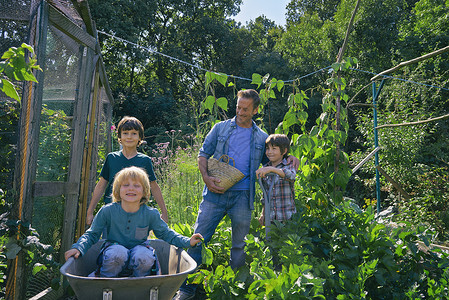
x: 331, y: 249
x: 341, y: 255
x: 15, y: 235
x: 18, y: 236
x: 429, y: 206
x: 9, y: 118
x: 15, y: 67
x: 217, y: 107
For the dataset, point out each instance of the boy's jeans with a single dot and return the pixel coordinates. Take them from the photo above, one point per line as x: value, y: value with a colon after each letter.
x: 236, y: 205
x: 116, y: 258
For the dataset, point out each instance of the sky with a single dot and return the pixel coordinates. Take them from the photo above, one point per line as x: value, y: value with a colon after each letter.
x: 272, y: 9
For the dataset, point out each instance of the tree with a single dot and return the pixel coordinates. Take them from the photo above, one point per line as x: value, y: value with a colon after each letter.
x: 193, y: 31
x: 397, y: 30
x: 325, y: 10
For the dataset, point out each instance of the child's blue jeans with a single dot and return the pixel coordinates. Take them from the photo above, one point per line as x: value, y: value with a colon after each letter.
x: 116, y: 258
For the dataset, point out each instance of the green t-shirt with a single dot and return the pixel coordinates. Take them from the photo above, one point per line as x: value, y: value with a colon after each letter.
x: 116, y: 161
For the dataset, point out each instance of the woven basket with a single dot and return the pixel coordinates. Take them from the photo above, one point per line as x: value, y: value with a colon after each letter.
x: 222, y: 170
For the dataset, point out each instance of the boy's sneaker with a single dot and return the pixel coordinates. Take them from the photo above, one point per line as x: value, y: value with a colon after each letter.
x: 180, y: 295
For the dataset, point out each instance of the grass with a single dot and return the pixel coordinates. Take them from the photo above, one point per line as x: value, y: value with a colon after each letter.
x: 180, y: 181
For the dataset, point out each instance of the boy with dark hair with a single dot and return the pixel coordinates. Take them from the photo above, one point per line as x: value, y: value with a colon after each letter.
x: 282, y: 193
x: 130, y: 135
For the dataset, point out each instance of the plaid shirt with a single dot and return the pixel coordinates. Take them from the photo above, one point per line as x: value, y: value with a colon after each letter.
x: 282, y: 194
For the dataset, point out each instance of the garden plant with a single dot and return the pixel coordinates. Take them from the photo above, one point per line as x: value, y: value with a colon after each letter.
x: 336, y: 246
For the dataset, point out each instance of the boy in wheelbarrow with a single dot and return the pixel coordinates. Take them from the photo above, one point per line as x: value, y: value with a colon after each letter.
x: 128, y: 222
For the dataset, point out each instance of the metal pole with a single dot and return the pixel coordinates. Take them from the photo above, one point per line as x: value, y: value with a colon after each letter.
x: 376, y: 93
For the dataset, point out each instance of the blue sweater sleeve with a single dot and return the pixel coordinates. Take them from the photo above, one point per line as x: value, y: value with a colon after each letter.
x: 163, y: 232
x: 93, y: 234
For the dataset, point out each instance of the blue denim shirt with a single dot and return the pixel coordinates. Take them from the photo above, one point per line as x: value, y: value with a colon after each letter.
x: 216, y: 144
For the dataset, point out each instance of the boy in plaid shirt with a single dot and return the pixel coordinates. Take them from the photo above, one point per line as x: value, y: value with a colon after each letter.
x: 282, y: 193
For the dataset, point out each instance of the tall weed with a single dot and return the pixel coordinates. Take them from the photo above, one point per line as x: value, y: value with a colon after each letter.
x: 180, y: 180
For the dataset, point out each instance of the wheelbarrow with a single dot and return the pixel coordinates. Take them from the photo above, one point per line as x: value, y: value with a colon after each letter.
x: 175, y: 265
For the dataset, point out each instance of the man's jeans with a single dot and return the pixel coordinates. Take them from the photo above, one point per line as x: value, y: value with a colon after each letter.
x: 116, y: 258
x: 236, y: 205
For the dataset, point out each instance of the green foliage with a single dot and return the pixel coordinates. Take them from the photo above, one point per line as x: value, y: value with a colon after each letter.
x: 54, y: 141
x: 207, y: 256
x: 16, y: 68
x: 178, y: 176
x: 215, y: 106
x: 292, y: 282
x: 161, y: 88
x: 13, y: 67
x: 9, y: 118
x: 430, y: 207
x: 395, y: 31
x: 17, y: 236
x: 322, y: 178
x: 414, y: 156
x: 52, y: 165
x: 318, y: 36
x: 342, y: 255
x: 219, y: 280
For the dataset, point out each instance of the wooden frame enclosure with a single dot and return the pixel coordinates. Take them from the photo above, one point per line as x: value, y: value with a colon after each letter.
x: 92, y: 104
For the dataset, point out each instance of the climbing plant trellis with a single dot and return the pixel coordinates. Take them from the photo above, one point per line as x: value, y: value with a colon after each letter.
x: 376, y: 92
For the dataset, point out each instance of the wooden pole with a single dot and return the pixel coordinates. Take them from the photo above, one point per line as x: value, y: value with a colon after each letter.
x: 26, y: 159
x: 414, y: 123
x: 87, y: 161
x: 79, y: 126
x: 412, y: 61
x: 337, y: 100
x: 393, y: 182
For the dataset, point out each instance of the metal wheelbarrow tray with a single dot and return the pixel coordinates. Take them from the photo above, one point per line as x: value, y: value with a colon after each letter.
x: 175, y: 264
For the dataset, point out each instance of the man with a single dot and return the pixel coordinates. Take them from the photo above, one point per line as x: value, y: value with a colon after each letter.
x: 241, y: 139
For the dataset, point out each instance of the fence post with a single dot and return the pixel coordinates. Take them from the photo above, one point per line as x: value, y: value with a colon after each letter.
x: 27, y: 150
x: 376, y: 93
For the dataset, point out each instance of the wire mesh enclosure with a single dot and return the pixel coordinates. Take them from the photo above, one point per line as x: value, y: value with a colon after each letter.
x: 60, y: 134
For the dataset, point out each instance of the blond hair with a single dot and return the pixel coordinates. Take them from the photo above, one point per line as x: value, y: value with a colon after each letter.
x: 135, y: 173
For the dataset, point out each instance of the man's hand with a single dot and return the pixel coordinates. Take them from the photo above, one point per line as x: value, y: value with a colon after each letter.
x: 294, y: 161
x: 211, y: 183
